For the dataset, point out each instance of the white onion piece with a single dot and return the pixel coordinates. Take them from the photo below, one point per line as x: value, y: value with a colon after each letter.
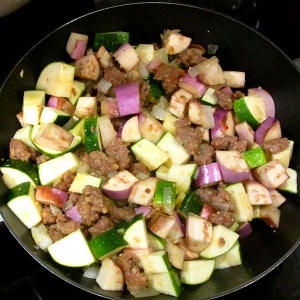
x: 232, y: 165
x: 104, y: 86
x: 91, y: 272
x: 74, y: 214
x: 128, y: 98
x: 207, y: 113
x: 268, y: 129
x: 193, y: 71
x: 208, y: 174
x: 267, y: 98
x: 244, y: 229
x: 193, y: 85
x: 143, y: 70
x: 144, y: 292
x: 224, y: 123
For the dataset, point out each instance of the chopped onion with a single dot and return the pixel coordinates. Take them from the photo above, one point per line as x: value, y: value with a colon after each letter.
x: 128, y: 98
x: 193, y: 71
x: 74, y: 214
x: 269, y: 127
x: 208, y: 174
x: 153, y: 64
x: 144, y: 292
x: 104, y: 86
x: 193, y: 85
x: 244, y: 229
x: 208, y: 116
x: 145, y: 210
x: 212, y: 48
x: 91, y: 272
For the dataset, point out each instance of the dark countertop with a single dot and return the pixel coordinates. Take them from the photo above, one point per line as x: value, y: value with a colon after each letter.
x: 23, y: 29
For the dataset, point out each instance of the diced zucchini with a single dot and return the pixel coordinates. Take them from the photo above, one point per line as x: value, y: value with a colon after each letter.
x: 81, y: 180
x: 33, y: 104
x: 209, y: 97
x: 149, y: 154
x: 54, y: 115
x: 145, y: 52
x: 23, y: 134
x: 76, y: 91
x: 190, y: 204
x: 156, y: 243
x: 169, y: 122
x: 72, y: 250
x: 136, y: 234
x: 250, y: 109
x: 51, y: 170
x: 290, y: 185
x: 156, y: 90
x: 107, y: 243
x: 156, y: 262
x: 92, y: 139
x: 18, y: 171
x: 169, y: 144
x: 238, y: 196
x: 255, y: 157
x: 197, y: 271
x: 167, y: 283
x: 229, y: 259
x: 56, y: 79
x: 285, y: 155
x: 182, y: 175
x: 22, y: 202
x: 165, y: 195
x: 222, y: 240
x: 110, y: 40
x: 78, y: 128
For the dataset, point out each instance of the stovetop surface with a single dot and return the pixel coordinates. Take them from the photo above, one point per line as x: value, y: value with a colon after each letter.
x: 20, y: 274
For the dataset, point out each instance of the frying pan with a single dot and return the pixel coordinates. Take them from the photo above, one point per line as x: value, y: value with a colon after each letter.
x: 239, y: 47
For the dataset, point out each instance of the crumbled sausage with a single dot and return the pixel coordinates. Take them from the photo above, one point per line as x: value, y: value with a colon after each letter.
x: 229, y: 142
x: 190, y: 137
x: 275, y: 145
x: 169, y: 75
x: 135, y: 278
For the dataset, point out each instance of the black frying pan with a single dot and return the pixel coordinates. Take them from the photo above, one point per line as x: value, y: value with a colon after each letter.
x: 240, y: 48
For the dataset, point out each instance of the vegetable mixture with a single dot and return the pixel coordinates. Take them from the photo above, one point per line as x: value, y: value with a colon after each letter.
x: 144, y: 164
